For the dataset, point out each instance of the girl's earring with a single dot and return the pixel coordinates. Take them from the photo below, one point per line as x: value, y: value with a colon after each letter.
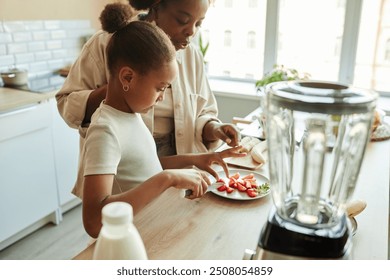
x: 125, y: 87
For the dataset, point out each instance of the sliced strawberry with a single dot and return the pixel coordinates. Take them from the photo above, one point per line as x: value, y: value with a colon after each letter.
x: 248, y: 184
x: 251, y: 192
x: 249, y: 176
x: 222, y: 188
x: 233, y: 182
x: 236, y: 175
x: 241, y: 187
x: 220, y: 180
x: 229, y: 189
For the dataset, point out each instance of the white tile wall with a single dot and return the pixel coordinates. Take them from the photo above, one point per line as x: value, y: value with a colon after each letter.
x: 42, y: 46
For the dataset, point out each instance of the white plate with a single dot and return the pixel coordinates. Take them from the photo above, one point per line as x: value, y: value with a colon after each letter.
x: 237, y: 195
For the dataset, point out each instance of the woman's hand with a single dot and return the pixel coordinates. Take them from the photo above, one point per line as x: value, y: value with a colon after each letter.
x: 95, y: 98
x: 227, y: 132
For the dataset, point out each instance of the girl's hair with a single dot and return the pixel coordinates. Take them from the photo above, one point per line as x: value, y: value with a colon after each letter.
x: 139, y: 44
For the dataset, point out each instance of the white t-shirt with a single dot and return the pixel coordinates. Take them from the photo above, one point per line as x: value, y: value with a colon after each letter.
x: 119, y: 143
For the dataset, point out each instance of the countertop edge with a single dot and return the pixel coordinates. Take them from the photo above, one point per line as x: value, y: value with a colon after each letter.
x: 13, y: 99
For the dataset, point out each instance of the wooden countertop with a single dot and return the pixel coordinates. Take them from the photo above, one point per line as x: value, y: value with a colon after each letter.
x: 212, y: 227
x: 11, y: 99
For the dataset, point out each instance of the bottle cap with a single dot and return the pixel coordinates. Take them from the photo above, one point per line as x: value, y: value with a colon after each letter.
x: 117, y: 213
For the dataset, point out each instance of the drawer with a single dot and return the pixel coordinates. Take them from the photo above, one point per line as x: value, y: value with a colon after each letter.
x: 25, y: 120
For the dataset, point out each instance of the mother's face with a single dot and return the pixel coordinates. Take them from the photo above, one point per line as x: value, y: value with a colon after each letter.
x: 181, y: 19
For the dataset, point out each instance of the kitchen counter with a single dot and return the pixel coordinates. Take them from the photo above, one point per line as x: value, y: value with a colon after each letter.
x: 212, y: 227
x: 11, y: 99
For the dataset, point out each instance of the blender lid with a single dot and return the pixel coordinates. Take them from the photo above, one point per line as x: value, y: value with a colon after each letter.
x: 322, y: 97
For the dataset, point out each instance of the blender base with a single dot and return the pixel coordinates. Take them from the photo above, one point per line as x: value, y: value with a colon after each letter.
x: 262, y: 254
x: 282, y: 239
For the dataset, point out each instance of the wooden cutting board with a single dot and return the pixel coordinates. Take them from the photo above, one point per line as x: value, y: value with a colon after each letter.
x: 246, y: 162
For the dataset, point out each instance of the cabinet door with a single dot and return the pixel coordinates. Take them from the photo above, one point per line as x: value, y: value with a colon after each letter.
x: 66, y: 150
x: 27, y: 182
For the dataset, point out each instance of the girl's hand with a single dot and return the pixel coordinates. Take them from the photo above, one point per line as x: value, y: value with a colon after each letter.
x: 206, y: 160
x: 194, y: 180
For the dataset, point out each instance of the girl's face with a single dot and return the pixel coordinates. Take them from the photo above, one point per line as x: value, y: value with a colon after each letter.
x: 146, y: 90
x: 181, y: 19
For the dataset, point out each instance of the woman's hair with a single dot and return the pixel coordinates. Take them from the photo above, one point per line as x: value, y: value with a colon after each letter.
x: 139, y: 44
x: 148, y: 4
x: 143, y: 4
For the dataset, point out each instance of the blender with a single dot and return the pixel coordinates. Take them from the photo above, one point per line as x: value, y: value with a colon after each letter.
x: 317, y: 134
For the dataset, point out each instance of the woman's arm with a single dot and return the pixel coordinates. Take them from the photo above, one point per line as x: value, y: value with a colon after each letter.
x: 95, y: 98
x: 85, y: 86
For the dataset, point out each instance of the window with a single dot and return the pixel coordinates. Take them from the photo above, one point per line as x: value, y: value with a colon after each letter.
x: 336, y: 40
x: 228, y: 3
x: 372, y: 70
x: 227, y: 42
x: 251, y: 40
x: 311, y: 39
x: 236, y: 39
x: 387, y: 51
x: 252, y: 3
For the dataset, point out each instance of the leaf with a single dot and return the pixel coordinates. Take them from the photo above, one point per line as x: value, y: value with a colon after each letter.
x: 281, y: 73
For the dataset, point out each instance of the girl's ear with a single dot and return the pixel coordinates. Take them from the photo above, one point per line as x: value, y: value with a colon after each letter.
x: 126, y: 75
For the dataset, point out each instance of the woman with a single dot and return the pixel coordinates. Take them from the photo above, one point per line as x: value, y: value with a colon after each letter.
x: 186, y: 121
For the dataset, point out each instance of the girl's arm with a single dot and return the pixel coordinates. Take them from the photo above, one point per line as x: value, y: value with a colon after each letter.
x: 202, y: 161
x: 97, y: 192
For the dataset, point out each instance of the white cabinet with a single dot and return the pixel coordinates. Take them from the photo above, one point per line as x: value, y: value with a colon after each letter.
x: 66, y: 151
x: 29, y: 197
x: 38, y: 169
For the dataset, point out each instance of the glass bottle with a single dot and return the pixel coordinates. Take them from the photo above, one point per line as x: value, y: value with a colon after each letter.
x: 119, y: 238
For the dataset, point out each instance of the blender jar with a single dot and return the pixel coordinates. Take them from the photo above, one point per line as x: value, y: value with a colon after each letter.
x: 317, y: 133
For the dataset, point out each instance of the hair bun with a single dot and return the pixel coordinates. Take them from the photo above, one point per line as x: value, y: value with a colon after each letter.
x: 115, y: 16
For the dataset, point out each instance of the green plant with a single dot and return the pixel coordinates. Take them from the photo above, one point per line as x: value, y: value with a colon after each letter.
x: 281, y: 73
x: 203, y: 48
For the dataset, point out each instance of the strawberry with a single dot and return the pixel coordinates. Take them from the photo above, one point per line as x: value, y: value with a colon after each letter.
x: 241, y: 187
x: 236, y: 175
x: 222, y: 188
x: 251, y: 192
x: 232, y: 183
x: 249, y: 176
x: 229, y: 189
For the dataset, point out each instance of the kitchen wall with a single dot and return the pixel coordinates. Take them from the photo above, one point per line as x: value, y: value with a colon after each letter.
x: 53, y: 10
x: 44, y: 36
x: 42, y: 47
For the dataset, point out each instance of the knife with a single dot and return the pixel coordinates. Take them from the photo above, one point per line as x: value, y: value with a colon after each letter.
x: 211, y: 187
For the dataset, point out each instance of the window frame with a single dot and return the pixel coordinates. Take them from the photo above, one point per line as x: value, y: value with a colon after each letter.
x: 349, y: 43
x: 349, y: 39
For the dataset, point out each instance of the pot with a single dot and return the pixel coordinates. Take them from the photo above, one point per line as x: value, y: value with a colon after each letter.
x: 14, y: 77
